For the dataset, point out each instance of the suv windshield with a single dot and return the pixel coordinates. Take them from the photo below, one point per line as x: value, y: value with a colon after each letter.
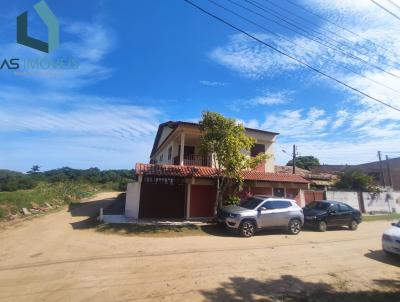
x: 251, y: 203
x: 318, y: 205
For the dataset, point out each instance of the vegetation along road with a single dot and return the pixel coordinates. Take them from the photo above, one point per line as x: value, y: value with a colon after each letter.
x: 64, y: 256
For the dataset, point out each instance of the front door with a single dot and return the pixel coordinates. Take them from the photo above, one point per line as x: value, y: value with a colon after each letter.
x: 268, y: 215
x: 333, y: 218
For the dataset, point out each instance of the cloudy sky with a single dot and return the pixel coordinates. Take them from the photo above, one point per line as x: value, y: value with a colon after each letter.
x: 144, y: 62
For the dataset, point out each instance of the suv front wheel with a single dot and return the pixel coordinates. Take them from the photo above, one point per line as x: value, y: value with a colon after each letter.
x: 247, y: 228
x: 294, y: 226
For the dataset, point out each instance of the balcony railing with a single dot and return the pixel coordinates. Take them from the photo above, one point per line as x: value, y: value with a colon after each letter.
x: 194, y: 160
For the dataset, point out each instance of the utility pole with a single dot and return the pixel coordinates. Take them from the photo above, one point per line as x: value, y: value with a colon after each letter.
x: 389, y: 172
x: 381, y: 169
x: 294, y: 159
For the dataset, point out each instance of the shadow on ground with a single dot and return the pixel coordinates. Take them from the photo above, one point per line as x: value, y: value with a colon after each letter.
x: 381, y: 256
x: 91, y: 210
x: 292, y: 289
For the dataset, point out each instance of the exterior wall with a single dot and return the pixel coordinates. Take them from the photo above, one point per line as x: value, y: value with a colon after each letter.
x: 382, y: 202
x: 351, y: 198
x: 132, y: 200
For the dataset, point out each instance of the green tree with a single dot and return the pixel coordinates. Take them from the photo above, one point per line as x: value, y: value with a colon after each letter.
x: 226, y: 140
x: 305, y: 162
x: 357, y: 180
x: 34, y: 169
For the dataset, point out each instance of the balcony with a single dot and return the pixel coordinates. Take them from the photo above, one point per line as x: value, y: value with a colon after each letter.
x: 194, y: 160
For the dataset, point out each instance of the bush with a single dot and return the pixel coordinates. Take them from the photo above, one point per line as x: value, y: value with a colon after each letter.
x: 232, y: 200
x: 12, y: 181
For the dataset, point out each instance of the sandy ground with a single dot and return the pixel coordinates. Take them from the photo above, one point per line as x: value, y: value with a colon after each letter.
x: 57, y: 258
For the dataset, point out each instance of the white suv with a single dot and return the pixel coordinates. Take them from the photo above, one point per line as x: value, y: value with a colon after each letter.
x: 260, y: 212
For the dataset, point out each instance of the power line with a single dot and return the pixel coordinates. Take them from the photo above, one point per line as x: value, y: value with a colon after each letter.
x: 394, y: 3
x: 320, y: 41
x: 331, y: 32
x: 385, y: 9
x: 293, y: 43
x: 337, y: 25
x: 289, y: 56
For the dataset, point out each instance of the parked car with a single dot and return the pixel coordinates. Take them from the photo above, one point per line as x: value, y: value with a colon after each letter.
x: 326, y: 213
x: 260, y: 212
x: 391, y: 239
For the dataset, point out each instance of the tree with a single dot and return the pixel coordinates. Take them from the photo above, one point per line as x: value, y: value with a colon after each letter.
x: 226, y: 140
x: 305, y: 162
x: 34, y: 169
x: 357, y: 180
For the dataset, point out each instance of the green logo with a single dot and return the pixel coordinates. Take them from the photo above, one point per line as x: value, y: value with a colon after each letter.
x: 53, y: 29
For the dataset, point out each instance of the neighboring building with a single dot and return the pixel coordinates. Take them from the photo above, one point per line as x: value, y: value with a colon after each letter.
x: 180, y: 182
x: 318, y: 180
x: 390, y: 169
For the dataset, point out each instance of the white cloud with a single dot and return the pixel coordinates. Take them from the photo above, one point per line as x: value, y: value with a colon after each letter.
x: 212, y: 83
x: 123, y: 121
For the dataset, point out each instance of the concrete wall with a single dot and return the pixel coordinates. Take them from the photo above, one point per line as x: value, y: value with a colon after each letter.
x: 382, y: 202
x: 351, y: 198
x: 132, y: 200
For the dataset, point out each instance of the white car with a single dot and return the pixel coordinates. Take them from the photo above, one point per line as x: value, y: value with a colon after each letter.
x: 391, y: 239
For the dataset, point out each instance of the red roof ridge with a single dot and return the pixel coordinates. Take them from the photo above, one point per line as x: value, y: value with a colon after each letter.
x: 209, y: 172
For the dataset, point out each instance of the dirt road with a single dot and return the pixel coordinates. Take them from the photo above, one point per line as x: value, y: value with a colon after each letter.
x: 58, y: 258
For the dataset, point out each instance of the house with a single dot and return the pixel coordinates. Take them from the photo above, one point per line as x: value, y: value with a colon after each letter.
x: 320, y: 180
x: 390, y: 170
x: 180, y: 181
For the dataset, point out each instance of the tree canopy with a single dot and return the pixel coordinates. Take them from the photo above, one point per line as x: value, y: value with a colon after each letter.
x: 305, y: 162
x: 357, y: 180
x: 227, y: 141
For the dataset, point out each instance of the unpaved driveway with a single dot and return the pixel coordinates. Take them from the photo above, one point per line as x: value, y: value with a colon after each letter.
x: 58, y: 258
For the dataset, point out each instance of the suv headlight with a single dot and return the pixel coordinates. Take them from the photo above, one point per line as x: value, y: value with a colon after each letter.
x: 231, y: 215
x: 386, y: 237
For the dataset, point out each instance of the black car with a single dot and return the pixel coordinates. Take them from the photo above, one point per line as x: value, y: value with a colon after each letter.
x: 326, y: 213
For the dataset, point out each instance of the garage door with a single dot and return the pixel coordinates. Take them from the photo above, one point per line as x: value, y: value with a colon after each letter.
x: 202, y: 199
x: 162, y: 200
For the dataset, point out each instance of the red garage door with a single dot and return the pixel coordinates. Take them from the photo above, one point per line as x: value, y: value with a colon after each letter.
x: 261, y: 191
x: 202, y: 199
x: 162, y: 200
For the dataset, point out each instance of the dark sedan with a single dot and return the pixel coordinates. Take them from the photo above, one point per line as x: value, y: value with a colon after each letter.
x: 326, y: 213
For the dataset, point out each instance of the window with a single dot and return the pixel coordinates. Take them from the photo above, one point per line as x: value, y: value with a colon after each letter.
x: 276, y: 204
x: 161, y: 158
x: 279, y: 192
x: 251, y: 203
x: 344, y: 207
x: 334, y: 208
x: 318, y: 205
x: 257, y: 149
x: 269, y: 205
x: 169, y: 153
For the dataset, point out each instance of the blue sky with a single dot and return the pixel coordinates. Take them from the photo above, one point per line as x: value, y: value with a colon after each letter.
x: 145, y: 62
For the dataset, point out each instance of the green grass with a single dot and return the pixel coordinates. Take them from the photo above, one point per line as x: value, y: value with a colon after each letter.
x: 11, y: 203
x: 381, y: 217
x: 150, y: 230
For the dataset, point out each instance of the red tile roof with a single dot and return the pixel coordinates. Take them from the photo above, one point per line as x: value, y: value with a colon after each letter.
x: 207, y: 172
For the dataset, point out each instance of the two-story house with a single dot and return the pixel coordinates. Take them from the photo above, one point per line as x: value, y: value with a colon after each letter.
x: 180, y: 181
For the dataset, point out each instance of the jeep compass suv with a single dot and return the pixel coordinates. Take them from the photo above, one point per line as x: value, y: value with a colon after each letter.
x: 259, y: 212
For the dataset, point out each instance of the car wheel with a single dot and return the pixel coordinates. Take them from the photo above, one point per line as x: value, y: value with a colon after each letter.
x: 247, y: 228
x: 322, y: 226
x: 353, y: 225
x: 294, y: 226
